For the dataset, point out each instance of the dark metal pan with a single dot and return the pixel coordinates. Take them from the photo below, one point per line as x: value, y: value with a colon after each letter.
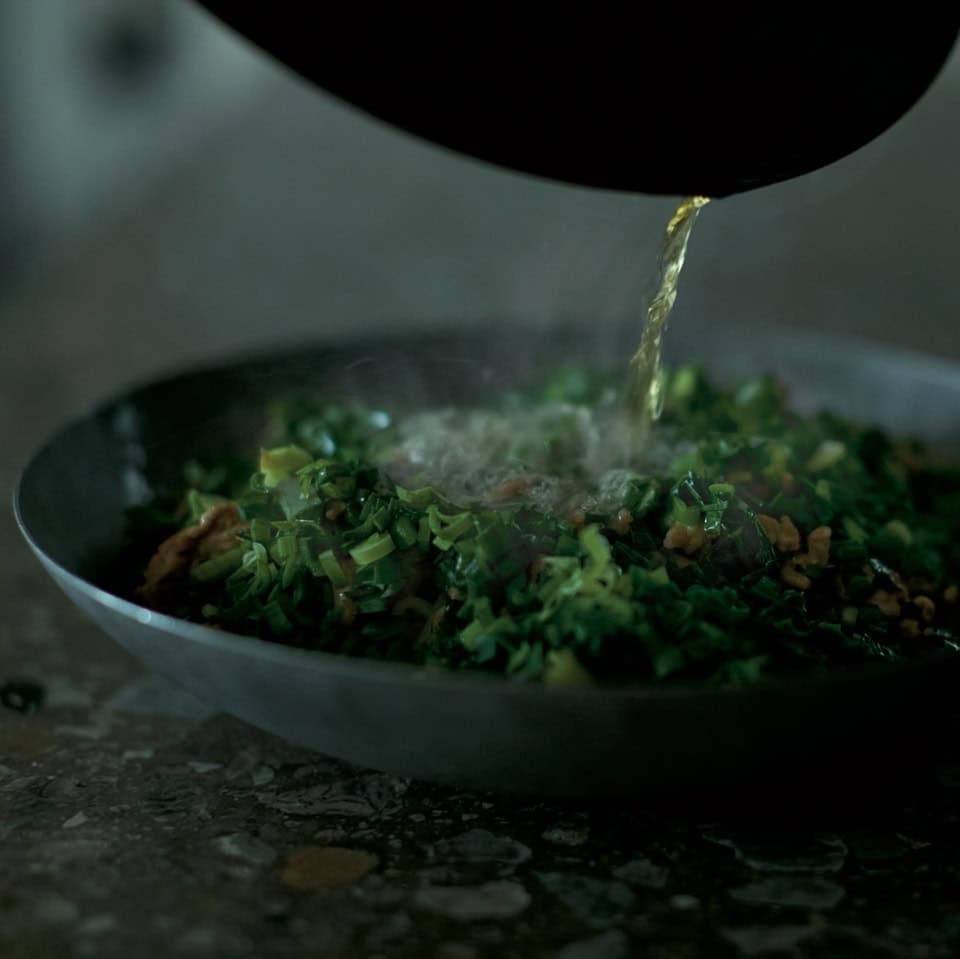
x: 471, y: 730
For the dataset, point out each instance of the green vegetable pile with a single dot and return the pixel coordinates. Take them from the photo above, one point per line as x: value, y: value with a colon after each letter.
x: 769, y: 542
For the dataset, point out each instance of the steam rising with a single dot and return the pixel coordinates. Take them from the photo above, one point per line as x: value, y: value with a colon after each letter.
x: 556, y: 457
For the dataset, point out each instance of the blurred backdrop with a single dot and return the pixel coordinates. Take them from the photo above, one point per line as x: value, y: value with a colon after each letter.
x: 167, y: 195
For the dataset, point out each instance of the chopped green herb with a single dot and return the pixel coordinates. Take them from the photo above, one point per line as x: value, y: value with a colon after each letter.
x: 749, y: 541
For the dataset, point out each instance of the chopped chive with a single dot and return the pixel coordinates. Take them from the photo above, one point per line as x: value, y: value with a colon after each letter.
x: 332, y: 569
x: 806, y: 541
x: 372, y: 549
x: 218, y: 567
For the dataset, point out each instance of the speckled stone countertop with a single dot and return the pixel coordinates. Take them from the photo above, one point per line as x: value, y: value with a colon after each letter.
x: 133, y: 822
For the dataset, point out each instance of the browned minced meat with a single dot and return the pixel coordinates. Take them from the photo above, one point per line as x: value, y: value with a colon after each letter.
x: 686, y: 538
x: 345, y: 606
x: 620, y: 523
x: 509, y: 489
x: 214, y: 534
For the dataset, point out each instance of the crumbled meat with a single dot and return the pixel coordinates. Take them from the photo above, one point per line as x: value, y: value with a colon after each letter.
x: 926, y: 606
x: 770, y: 526
x: 334, y: 510
x: 888, y: 603
x: 782, y: 533
x: 793, y: 577
x: 817, y: 554
x: 818, y: 548
x: 620, y: 523
x: 910, y: 628
x: 345, y: 606
x: 216, y: 533
x: 788, y: 540
x: 686, y: 538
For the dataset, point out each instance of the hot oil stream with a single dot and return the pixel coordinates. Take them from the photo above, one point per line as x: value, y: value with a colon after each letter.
x: 470, y: 453
x: 644, y: 392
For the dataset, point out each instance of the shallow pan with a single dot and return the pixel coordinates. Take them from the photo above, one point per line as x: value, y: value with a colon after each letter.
x: 479, y: 731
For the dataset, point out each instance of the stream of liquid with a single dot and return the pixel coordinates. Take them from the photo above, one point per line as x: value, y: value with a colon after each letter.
x: 644, y: 392
x: 556, y: 457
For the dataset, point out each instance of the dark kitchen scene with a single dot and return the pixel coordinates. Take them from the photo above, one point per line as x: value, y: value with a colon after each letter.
x: 478, y: 490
